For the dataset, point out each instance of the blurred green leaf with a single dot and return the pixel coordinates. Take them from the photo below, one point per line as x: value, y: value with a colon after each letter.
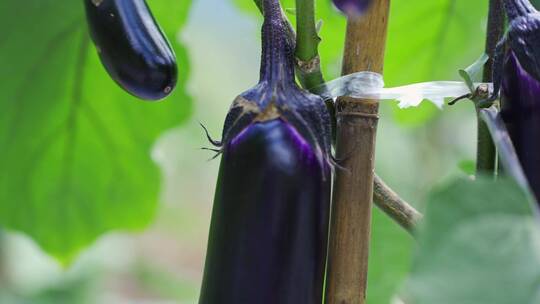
x: 389, y: 258
x: 467, y: 166
x: 431, y: 40
x: 164, y: 283
x: 75, y: 149
x: 479, y: 244
x: 80, y: 289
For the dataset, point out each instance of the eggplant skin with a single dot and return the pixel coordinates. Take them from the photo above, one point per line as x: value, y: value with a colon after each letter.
x: 269, y: 228
x: 520, y: 111
x: 353, y: 8
x: 132, y: 47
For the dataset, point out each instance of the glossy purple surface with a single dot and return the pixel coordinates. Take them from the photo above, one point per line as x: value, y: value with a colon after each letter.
x: 352, y: 8
x: 521, y: 112
x: 268, y: 235
x: 132, y: 48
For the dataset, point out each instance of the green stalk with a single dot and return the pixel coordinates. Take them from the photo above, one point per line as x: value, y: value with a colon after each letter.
x: 307, y: 39
x: 307, y: 45
x: 485, y: 153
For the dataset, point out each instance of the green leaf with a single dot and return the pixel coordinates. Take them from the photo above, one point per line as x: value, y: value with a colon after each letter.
x: 467, y: 166
x: 479, y: 244
x: 75, y: 158
x: 471, y: 74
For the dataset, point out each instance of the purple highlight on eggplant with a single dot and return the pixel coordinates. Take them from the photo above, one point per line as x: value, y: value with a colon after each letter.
x: 269, y: 227
x: 353, y: 8
x: 520, y: 111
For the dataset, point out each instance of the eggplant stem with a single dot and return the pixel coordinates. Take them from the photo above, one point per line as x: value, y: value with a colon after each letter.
x: 486, y: 156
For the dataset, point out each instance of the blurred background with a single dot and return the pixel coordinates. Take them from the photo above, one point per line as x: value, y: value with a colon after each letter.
x: 218, y: 46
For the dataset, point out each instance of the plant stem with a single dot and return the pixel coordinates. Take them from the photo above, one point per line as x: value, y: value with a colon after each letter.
x: 288, y: 26
x: 346, y: 279
x: 485, y: 152
x: 395, y: 207
x: 308, y: 63
x: 307, y: 40
x: 307, y: 45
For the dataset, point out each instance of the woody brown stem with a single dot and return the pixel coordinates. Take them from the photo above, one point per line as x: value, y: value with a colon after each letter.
x: 346, y: 280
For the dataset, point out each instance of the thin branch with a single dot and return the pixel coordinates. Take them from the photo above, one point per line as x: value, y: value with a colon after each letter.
x: 395, y: 207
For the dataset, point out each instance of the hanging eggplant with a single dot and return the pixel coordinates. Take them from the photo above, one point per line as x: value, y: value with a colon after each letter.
x: 352, y: 8
x: 132, y: 47
x: 523, y: 40
x: 269, y: 229
x: 520, y: 111
x: 518, y: 72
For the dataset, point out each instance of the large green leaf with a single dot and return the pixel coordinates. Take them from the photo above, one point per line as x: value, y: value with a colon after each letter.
x: 479, y: 244
x: 75, y: 149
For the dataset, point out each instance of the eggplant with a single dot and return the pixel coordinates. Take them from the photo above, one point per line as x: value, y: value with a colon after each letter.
x: 520, y: 110
x: 269, y: 228
x: 352, y: 8
x: 516, y: 75
x: 132, y: 47
x: 522, y: 37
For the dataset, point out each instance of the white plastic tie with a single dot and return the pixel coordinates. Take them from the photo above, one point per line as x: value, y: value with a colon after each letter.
x: 370, y: 85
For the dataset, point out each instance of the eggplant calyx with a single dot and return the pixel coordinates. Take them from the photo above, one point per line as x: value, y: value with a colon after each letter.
x: 518, y: 8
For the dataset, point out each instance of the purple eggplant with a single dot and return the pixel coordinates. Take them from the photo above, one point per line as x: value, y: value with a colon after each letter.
x: 132, y: 47
x: 516, y: 75
x: 521, y: 113
x: 269, y: 227
x: 353, y: 8
x: 522, y: 38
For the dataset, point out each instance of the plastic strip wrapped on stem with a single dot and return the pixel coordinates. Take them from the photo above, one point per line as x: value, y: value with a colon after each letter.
x: 370, y: 85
